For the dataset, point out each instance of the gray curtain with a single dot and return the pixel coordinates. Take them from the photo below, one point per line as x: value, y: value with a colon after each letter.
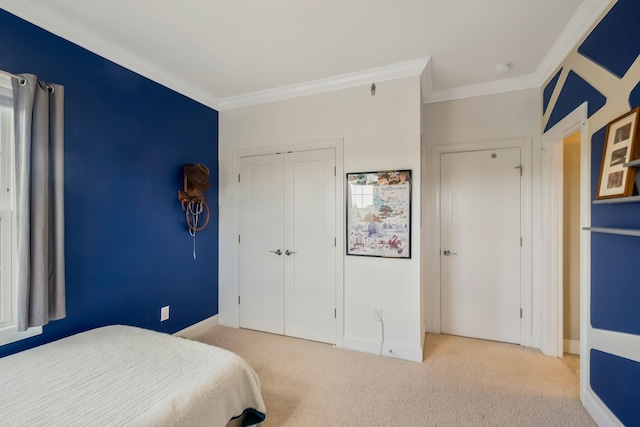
x: 39, y: 178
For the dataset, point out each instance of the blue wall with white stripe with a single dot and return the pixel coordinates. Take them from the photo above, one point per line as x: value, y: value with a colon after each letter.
x: 128, y: 252
x: 612, y: 47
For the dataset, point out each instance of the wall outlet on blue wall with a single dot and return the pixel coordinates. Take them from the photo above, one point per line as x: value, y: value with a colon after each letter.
x: 164, y: 313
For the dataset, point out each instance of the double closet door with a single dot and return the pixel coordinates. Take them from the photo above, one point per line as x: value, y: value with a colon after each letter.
x: 287, y: 266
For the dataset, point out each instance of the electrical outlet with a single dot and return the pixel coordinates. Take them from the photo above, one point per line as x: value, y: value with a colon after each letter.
x: 164, y: 313
x: 377, y: 315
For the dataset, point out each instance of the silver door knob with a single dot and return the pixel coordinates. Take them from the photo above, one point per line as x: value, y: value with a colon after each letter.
x: 446, y: 252
x: 278, y: 252
x: 288, y: 252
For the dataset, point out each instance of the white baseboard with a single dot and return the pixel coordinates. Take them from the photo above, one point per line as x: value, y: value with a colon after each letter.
x: 398, y: 351
x: 535, y: 341
x: 362, y: 345
x: 227, y: 320
x: 198, y: 328
x: 600, y: 413
x: 430, y: 328
x: 572, y: 346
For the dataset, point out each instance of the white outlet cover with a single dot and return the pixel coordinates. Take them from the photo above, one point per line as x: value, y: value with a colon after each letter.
x: 164, y: 313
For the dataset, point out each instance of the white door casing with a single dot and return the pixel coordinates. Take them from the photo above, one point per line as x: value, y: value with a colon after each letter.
x: 553, y: 254
x: 287, y: 255
x: 480, y: 244
x: 551, y: 302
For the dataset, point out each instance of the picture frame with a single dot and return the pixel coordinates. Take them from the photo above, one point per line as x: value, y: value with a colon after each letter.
x: 379, y: 214
x: 620, y: 147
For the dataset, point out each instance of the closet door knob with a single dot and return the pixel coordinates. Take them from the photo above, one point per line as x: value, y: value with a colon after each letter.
x: 288, y: 252
x: 278, y: 252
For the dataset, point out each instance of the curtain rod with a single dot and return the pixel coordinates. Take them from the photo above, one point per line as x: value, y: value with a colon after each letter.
x: 23, y: 81
x: 6, y: 73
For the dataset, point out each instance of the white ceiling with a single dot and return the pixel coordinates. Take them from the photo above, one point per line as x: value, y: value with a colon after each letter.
x: 220, y: 50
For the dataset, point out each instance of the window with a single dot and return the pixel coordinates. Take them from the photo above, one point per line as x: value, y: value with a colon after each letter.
x: 8, y: 291
x: 362, y: 195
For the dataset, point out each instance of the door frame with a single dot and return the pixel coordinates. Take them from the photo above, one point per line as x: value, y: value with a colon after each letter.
x: 338, y: 145
x: 551, y: 303
x: 433, y: 251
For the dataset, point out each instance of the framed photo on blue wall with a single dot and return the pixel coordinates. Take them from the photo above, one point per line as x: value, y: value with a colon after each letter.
x: 379, y: 214
x: 620, y: 147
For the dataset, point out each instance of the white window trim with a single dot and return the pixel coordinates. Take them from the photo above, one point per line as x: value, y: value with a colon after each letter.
x: 8, y: 312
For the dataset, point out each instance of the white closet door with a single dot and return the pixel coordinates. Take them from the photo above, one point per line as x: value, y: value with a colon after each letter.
x: 261, y: 268
x: 480, y: 244
x: 310, y: 227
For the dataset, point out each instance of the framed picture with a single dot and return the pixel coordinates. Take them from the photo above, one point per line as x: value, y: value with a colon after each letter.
x: 379, y: 214
x: 620, y: 147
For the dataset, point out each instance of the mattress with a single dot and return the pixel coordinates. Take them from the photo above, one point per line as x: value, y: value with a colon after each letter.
x: 125, y: 376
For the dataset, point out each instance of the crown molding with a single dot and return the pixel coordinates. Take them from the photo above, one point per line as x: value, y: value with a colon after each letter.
x: 585, y: 17
x: 80, y: 36
x: 342, y: 81
x: 480, y: 89
x: 426, y: 81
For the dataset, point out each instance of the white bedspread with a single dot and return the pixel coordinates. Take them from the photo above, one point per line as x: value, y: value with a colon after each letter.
x: 125, y: 376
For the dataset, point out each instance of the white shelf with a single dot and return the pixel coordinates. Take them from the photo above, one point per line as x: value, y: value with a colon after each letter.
x: 619, y: 231
x: 616, y: 200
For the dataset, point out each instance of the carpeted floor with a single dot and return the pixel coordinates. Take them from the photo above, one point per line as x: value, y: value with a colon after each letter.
x: 573, y: 363
x: 461, y: 382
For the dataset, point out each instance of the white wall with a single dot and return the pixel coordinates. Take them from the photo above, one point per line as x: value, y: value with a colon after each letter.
x: 380, y: 132
x: 496, y: 117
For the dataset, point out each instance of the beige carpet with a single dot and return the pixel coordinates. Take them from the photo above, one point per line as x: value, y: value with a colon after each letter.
x: 462, y: 382
x: 573, y: 363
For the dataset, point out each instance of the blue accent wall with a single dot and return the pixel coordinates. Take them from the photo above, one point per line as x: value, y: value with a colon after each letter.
x: 634, y: 97
x: 128, y: 252
x: 574, y: 92
x: 613, y: 45
x: 548, y: 91
x: 615, y: 292
x: 616, y: 380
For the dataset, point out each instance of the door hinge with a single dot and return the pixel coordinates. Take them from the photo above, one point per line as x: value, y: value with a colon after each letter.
x: 521, y: 313
x: 238, y: 177
x: 521, y: 242
x: 519, y: 167
x: 335, y: 313
x: 238, y: 238
x: 334, y: 242
x: 334, y: 171
x: 238, y: 299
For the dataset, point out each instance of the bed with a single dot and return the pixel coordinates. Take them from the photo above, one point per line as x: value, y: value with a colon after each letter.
x: 125, y: 376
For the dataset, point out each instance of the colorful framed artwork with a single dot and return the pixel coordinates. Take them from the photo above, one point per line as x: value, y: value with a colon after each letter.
x: 620, y: 147
x: 379, y: 214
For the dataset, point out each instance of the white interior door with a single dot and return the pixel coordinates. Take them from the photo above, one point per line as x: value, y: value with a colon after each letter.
x: 480, y: 244
x: 310, y: 252
x: 261, y: 266
x: 287, y: 266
